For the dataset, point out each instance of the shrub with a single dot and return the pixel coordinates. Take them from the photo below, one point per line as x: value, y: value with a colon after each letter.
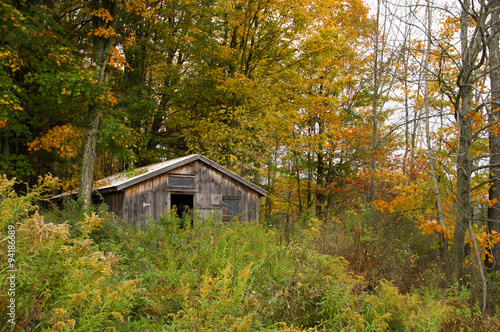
x: 62, y: 282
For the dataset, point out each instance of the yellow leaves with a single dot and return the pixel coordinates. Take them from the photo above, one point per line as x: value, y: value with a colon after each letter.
x: 40, y: 235
x: 207, y: 284
x: 60, y: 319
x: 80, y: 247
x: 116, y: 315
x: 77, y: 298
x: 47, y: 182
x: 128, y: 287
x: 314, y: 230
x: 10, y: 104
x: 61, y: 58
x: 10, y: 60
x: 91, y: 223
x: 244, y: 273
x: 107, y: 98
x: 138, y: 7
x: 477, y: 117
x: 103, y: 265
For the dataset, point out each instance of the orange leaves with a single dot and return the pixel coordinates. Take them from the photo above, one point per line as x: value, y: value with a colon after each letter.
x: 117, y: 59
x: 138, y: 7
x: 495, y: 129
x: 63, y: 55
x: 111, y: 99
x: 485, y: 241
x: 105, y: 33
x: 492, y: 202
x: 103, y: 14
x: 432, y: 226
x: 399, y: 203
x: 64, y: 140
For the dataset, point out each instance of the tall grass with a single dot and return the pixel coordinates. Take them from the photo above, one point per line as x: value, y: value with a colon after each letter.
x: 96, y: 273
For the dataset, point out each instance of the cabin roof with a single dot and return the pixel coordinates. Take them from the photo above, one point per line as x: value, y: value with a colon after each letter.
x: 120, y: 181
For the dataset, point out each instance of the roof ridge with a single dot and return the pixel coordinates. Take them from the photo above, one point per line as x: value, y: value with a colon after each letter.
x: 123, y: 180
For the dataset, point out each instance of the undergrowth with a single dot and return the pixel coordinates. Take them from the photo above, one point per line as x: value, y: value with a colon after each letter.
x: 94, y: 272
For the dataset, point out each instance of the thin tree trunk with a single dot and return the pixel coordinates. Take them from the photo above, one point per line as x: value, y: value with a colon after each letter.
x: 443, y: 243
x: 320, y: 170
x: 267, y: 212
x: 5, y: 144
x: 309, y: 180
x: 481, y: 270
x: 297, y: 177
x: 407, y: 113
x: 371, y: 195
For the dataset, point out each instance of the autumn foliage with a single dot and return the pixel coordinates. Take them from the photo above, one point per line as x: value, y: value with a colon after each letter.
x: 93, y: 272
x: 375, y: 134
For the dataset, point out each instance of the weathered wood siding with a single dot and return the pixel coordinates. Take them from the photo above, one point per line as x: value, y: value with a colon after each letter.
x: 151, y: 198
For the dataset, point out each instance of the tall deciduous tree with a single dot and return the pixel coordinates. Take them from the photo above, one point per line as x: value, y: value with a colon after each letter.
x: 494, y: 132
x: 104, y: 17
x: 443, y: 241
x: 44, y: 89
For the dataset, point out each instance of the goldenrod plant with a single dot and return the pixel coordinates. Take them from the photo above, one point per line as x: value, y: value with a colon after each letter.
x: 94, y: 272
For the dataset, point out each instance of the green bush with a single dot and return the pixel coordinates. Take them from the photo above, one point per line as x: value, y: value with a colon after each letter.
x: 62, y: 282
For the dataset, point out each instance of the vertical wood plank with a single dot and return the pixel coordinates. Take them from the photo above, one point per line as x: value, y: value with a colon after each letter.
x: 210, y: 186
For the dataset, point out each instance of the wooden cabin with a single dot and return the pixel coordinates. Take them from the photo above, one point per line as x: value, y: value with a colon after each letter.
x: 196, y: 182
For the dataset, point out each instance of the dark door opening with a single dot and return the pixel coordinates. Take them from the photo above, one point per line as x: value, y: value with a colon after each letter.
x: 184, y: 205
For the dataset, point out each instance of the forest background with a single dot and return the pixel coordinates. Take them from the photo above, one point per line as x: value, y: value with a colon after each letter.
x: 375, y: 133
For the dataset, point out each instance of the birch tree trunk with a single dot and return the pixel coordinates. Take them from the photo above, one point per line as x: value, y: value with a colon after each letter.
x: 373, y: 165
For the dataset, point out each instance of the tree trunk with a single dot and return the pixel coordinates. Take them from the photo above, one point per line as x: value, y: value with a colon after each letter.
x: 463, y: 108
x: 373, y: 165
x: 320, y: 169
x: 297, y: 177
x: 5, y: 144
x: 102, y: 48
x: 268, y: 206
x: 443, y: 243
x: 309, y: 180
x: 464, y: 210
x: 494, y: 134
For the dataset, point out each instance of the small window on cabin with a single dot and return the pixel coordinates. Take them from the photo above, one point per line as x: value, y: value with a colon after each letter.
x: 181, y: 181
x: 230, y: 207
